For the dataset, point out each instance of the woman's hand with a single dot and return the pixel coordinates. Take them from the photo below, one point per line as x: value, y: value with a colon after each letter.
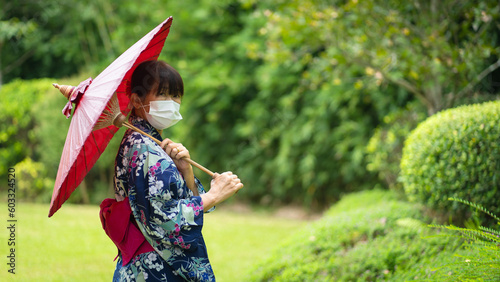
x: 177, y: 152
x: 222, y: 187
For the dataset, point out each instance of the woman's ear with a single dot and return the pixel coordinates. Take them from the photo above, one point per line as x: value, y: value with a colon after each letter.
x: 135, y: 101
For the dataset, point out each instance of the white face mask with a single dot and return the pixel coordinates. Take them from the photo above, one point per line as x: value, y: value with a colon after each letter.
x: 163, y: 114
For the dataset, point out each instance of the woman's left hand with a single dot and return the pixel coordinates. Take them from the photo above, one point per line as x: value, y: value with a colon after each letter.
x: 178, y: 152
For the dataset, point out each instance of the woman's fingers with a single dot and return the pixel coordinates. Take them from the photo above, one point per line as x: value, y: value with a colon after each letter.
x: 227, y: 179
x: 232, y: 180
x: 164, y: 143
x: 180, y: 152
x: 224, y: 185
x: 174, y: 150
x: 168, y: 146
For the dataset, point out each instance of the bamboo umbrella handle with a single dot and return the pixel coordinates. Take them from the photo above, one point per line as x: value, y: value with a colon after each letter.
x: 202, y: 168
x: 199, y: 166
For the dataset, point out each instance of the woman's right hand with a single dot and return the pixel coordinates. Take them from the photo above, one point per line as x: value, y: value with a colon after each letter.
x: 222, y: 187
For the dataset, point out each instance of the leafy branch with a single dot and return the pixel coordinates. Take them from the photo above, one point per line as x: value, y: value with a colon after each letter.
x: 482, y: 248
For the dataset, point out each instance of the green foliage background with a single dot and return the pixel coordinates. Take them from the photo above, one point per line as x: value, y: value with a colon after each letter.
x: 287, y: 94
x: 306, y: 100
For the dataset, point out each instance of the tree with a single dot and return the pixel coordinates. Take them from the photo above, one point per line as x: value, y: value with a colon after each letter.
x: 52, y: 39
x: 12, y: 30
x: 439, y: 51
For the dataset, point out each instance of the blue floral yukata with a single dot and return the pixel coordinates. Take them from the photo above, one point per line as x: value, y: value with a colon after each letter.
x: 165, y: 210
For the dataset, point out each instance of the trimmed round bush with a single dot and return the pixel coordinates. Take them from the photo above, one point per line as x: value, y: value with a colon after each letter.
x: 455, y: 153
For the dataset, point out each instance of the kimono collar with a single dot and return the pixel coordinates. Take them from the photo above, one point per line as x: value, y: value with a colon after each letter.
x: 145, y: 126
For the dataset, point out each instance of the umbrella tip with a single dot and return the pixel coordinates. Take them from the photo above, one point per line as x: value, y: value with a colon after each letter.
x: 66, y: 90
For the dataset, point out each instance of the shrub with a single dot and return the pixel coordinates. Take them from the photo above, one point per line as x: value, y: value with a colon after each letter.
x: 455, y: 153
x: 32, y: 181
x: 367, y: 236
x: 17, y: 142
x: 385, y: 147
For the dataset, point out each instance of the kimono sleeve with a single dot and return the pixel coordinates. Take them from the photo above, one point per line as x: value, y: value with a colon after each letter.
x: 164, y: 209
x: 201, y: 191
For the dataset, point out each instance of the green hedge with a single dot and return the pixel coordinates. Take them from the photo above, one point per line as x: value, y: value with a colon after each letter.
x: 367, y: 236
x: 455, y: 153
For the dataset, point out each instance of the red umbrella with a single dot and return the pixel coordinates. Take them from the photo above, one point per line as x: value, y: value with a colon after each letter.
x: 83, y: 146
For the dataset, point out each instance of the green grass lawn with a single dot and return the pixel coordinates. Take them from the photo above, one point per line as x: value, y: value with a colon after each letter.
x: 71, y: 246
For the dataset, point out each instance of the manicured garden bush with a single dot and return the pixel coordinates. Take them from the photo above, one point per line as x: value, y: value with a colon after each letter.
x: 455, y: 153
x: 367, y: 236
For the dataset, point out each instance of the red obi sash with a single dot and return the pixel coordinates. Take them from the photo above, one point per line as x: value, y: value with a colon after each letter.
x: 119, y: 226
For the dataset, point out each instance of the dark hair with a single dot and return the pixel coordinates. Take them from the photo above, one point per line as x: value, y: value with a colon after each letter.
x: 158, y: 76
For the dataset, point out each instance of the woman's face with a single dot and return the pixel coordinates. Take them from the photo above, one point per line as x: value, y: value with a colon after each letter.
x: 153, y: 97
x: 142, y: 106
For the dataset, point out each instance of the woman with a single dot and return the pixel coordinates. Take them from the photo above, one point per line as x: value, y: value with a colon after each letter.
x: 166, y: 200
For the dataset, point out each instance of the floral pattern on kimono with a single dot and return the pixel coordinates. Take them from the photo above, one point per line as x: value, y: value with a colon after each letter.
x: 165, y: 209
